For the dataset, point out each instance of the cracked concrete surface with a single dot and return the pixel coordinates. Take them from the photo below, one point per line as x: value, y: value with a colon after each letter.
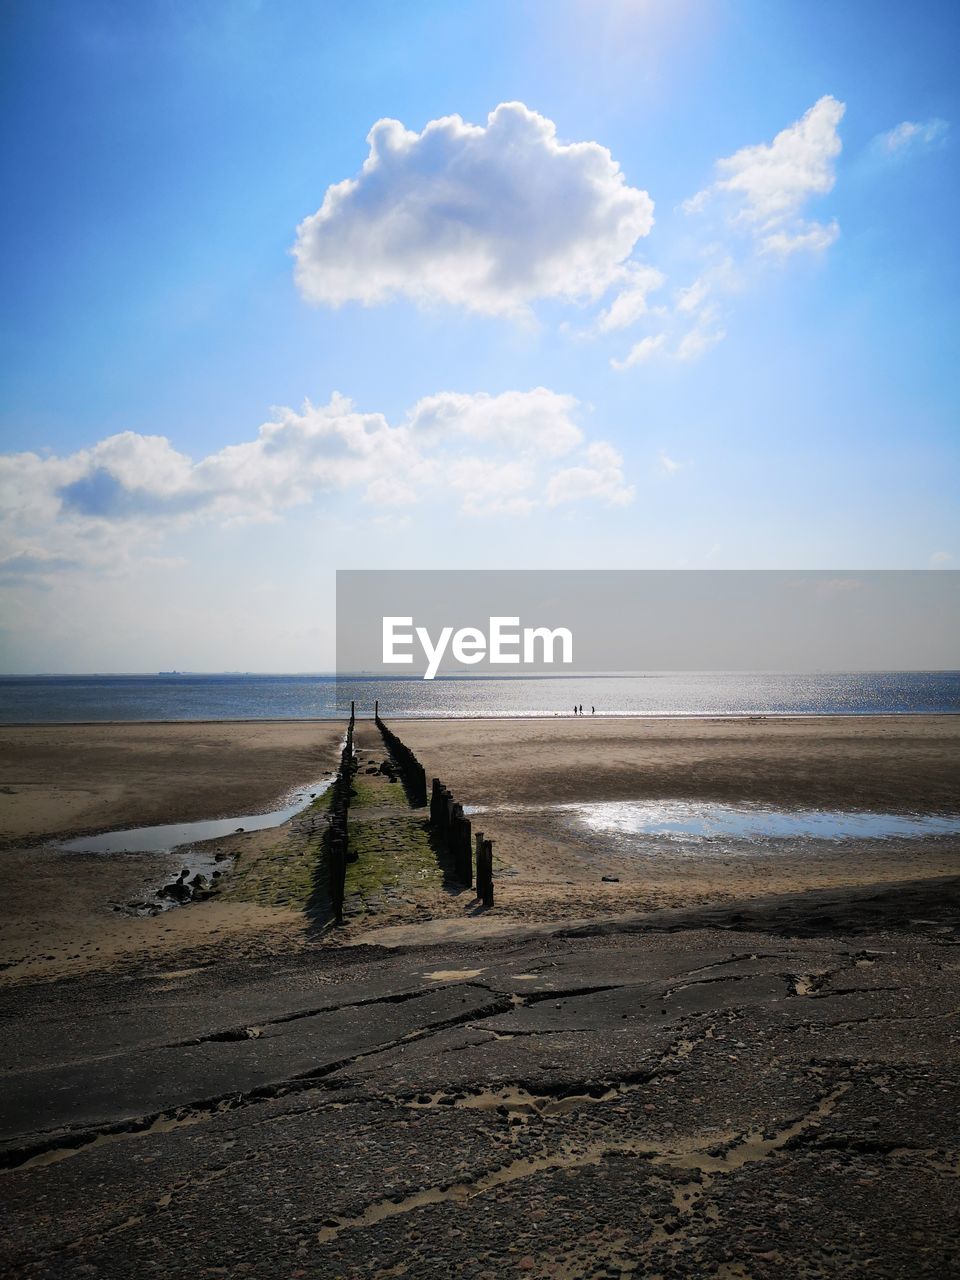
x: 695, y: 1097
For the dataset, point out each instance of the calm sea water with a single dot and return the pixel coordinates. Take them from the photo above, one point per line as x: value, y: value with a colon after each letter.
x: 39, y: 699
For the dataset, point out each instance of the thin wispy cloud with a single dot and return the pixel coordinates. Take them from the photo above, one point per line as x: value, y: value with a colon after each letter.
x: 768, y: 185
x: 646, y: 349
x: 668, y: 464
x: 760, y: 195
x: 632, y: 300
x: 909, y: 137
x: 600, y: 479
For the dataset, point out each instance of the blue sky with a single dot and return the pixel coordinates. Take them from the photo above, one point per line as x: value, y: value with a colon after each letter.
x: 693, y: 304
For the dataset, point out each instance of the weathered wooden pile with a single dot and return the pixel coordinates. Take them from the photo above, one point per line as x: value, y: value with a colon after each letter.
x: 452, y: 830
x: 449, y: 824
x: 412, y: 773
x: 484, y: 870
x: 337, y: 847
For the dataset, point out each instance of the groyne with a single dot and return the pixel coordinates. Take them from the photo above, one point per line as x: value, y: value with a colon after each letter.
x: 412, y: 773
x: 449, y: 825
x: 450, y: 829
x: 338, y: 850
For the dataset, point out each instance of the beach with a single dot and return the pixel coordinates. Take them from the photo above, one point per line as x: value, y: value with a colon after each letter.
x: 714, y: 1059
x: 61, y: 780
x: 63, y: 913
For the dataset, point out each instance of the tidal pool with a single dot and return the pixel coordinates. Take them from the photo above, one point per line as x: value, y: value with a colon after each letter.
x: 688, y: 820
x: 691, y: 821
x: 164, y: 839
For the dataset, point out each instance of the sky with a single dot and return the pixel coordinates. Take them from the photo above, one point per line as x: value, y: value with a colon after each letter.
x: 575, y: 284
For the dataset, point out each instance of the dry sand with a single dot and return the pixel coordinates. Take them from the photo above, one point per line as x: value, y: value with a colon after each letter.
x: 55, y: 912
x: 896, y: 763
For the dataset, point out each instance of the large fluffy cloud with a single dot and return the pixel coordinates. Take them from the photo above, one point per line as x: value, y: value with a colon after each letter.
x: 489, y: 452
x: 488, y: 217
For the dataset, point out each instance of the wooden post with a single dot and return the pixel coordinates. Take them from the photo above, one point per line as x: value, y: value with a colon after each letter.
x: 465, y: 853
x: 337, y: 873
x: 460, y: 845
x: 485, y: 873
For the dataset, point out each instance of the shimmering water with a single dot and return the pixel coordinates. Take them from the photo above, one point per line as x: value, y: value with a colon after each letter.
x: 38, y: 699
x: 686, y: 820
x: 671, y: 826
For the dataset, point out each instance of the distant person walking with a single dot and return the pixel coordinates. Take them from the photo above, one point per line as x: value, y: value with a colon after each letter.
x: 581, y: 708
x: 574, y: 708
x: 593, y: 711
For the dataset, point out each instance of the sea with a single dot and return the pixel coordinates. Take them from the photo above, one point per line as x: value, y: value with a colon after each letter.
x: 51, y: 699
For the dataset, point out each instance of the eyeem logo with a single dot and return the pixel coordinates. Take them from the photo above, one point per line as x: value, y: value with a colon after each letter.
x: 505, y: 644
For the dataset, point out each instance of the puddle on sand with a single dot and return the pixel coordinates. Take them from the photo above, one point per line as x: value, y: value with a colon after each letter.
x: 692, y: 821
x: 165, y: 839
x: 688, y: 820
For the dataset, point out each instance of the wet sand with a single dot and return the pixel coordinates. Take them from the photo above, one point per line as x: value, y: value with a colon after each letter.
x: 549, y: 867
x: 58, y: 780
x: 59, y: 913
x: 896, y: 763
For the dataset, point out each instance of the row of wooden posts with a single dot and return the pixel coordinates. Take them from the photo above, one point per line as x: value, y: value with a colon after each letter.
x: 412, y: 772
x: 448, y: 823
x: 452, y: 827
x: 338, y: 847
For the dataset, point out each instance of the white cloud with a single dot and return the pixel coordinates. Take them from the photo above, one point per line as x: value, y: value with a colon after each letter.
x: 100, y: 505
x: 774, y: 180
x: 641, y: 351
x: 601, y: 479
x: 538, y: 419
x: 488, y: 217
x: 686, y: 343
x: 700, y: 339
x: 761, y: 192
x: 697, y: 202
x: 387, y: 491
x: 631, y: 302
x: 668, y: 464
x: 910, y: 136
x: 770, y: 183
x: 812, y: 238
x: 489, y: 486
x: 692, y: 298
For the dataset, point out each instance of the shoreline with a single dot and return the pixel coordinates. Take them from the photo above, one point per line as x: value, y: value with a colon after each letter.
x: 618, y: 716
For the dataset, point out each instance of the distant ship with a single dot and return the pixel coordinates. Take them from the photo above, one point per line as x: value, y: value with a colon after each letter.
x: 169, y: 673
